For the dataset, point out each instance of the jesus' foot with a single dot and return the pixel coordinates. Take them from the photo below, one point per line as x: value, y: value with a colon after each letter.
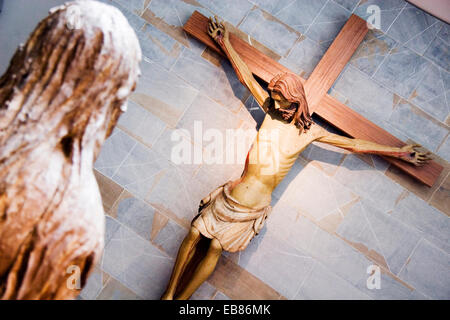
x: 167, y: 296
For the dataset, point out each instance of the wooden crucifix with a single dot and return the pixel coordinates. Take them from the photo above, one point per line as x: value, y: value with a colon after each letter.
x: 235, y: 212
x: 318, y: 84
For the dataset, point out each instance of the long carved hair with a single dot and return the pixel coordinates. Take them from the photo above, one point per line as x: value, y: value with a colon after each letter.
x: 290, y: 86
x: 59, y: 99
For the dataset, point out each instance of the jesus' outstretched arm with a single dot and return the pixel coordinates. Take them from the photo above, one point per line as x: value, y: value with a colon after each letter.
x: 220, y: 34
x: 409, y: 153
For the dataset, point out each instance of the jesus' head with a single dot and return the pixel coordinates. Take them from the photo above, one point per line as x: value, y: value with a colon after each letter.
x: 289, y: 100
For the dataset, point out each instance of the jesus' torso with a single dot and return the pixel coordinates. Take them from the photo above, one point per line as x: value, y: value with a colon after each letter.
x: 273, y: 153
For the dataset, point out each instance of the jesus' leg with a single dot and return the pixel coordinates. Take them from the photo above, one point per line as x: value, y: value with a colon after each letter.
x: 185, y: 254
x: 203, y: 270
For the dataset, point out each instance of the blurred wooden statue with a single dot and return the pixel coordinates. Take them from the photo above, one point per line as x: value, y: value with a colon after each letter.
x: 235, y: 212
x: 59, y: 100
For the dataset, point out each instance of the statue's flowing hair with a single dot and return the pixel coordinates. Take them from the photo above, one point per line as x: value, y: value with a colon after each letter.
x: 290, y: 86
x: 60, y: 98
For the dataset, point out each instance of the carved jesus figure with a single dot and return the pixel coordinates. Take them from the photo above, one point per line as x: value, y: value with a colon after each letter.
x: 235, y: 212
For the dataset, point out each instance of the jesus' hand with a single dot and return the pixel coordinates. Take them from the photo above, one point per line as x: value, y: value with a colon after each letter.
x: 216, y: 29
x: 414, y: 155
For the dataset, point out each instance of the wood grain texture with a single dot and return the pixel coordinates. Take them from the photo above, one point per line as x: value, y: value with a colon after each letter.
x: 334, y: 60
x: 59, y: 100
x: 331, y: 110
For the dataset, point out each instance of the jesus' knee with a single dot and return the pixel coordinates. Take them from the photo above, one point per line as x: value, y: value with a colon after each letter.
x: 193, y: 234
x: 215, y: 248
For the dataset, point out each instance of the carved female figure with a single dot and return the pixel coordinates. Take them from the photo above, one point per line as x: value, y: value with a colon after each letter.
x: 59, y: 100
x: 235, y: 212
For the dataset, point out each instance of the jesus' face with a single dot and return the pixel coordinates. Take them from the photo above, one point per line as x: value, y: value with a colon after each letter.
x: 280, y: 101
x: 282, y: 107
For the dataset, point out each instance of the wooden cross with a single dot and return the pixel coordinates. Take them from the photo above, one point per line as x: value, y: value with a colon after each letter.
x: 318, y: 84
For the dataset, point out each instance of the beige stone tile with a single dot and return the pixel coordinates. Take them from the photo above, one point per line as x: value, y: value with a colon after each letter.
x: 109, y: 190
x: 239, y: 284
x: 441, y: 197
x: 114, y: 290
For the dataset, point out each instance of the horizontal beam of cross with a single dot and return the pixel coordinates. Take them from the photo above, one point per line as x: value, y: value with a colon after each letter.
x: 318, y: 84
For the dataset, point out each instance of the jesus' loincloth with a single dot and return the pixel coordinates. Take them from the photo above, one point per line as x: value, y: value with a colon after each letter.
x: 222, y: 217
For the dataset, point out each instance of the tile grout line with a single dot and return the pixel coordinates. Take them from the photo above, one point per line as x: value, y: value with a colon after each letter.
x: 420, y: 33
x: 376, y: 238
x: 389, y: 28
x: 409, y: 257
x: 306, y: 278
x: 315, y: 18
x: 103, y: 285
x: 434, y: 192
x: 357, y: 6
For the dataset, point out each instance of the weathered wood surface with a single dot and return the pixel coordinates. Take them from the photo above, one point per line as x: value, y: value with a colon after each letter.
x: 59, y: 99
x: 331, y: 110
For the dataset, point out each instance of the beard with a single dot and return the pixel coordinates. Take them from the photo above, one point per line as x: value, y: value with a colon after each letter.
x: 287, y: 114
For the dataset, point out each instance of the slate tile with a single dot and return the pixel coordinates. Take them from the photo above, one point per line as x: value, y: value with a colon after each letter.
x: 389, y: 10
x: 155, y: 44
x: 347, y: 263
x: 310, y: 188
x: 439, y: 48
x: 276, y: 263
x: 136, y: 215
x: 372, y: 51
x: 178, y: 147
x: 141, y: 124
x: 134, y: 6
x: 219, y: 82
x: 323, y: 284
x: 444, y: 150
x: 140, y: 171
x: 304, y: 57
x: 221, y: 296
x: 198, y: 117
x: 433, y: 225
x: 94, y: 285
x: 363, y: 180
x: 401, y: 71
x: 204, y: 292
x: 299, y: 14
x: 350, y: 5
x: 114, y: 290
x: 170, y: 16
x: 154, y: 179
x: 269, y: 31
x: 171, y: 194
x: 415, y: 29
x: 111, y: 226
x: 131, y: 11
x: 163, y: 93
x: 365, y: 96
x: 428, y: 271
x: 158, y: 46
x: 113, y: 152
x: 326, y: 157
x: 170, y: 238
x: 328, y: 23
x: 232, y: 11
x: 418, y: 125
x: 137, y: 264
x: 441, y: 198
x: 383, y: 238
x: 430, y: 94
